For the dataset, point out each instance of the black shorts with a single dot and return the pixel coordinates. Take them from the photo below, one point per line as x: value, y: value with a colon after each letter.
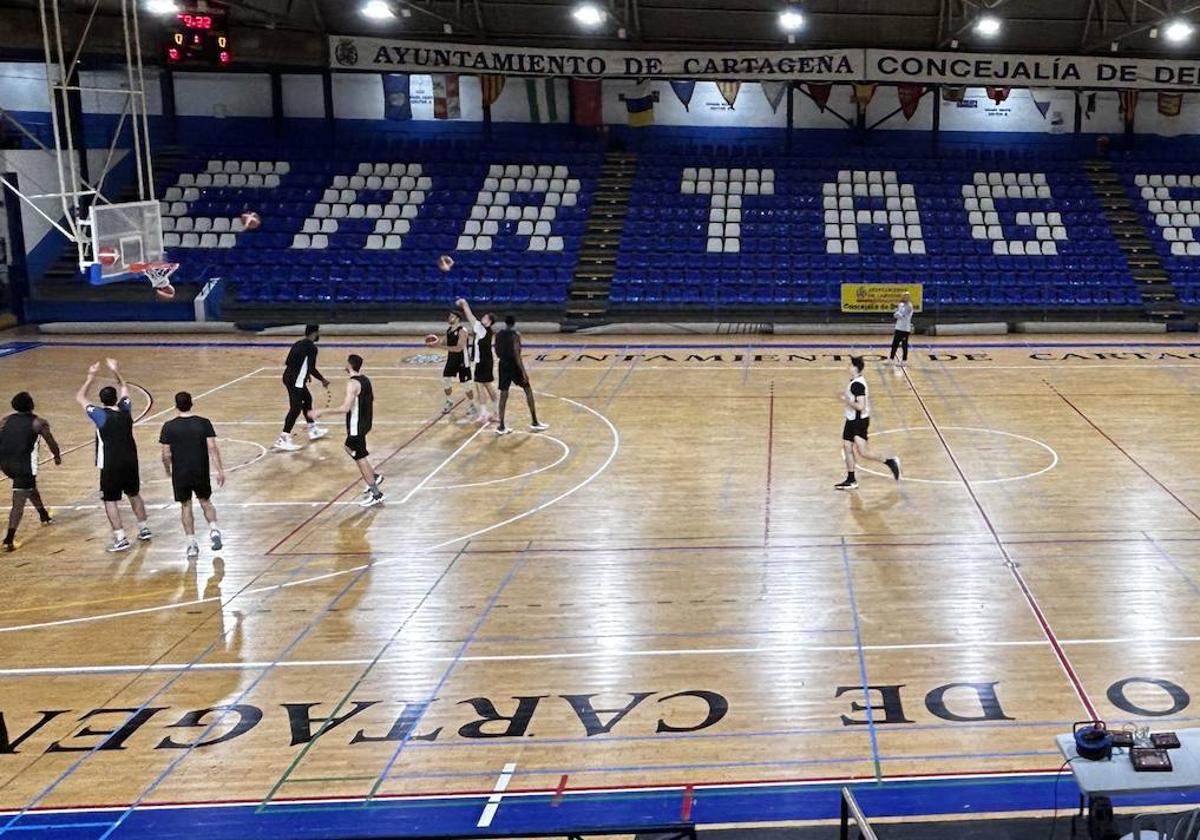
x: 356, y: 445
x: 512, y: 375
x: 856, y: 429
x: 118, y: 480
x: 483, y: 372
x: 22, y: 478
x: 299, y: 398
x: 457, y: 367
x: 185, y: 488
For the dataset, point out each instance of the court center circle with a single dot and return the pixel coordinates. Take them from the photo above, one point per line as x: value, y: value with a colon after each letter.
x: 1049, y: 450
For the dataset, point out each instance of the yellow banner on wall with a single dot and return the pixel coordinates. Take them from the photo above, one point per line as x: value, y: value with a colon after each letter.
x: 878, y: 297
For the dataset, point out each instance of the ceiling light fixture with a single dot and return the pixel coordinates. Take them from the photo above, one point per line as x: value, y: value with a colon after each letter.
x: 791, y: 20
x: 588, y: 14
x: 161, y: 7
x: 1178, y: 31
x: 988, y: 26
x: 376, y: 10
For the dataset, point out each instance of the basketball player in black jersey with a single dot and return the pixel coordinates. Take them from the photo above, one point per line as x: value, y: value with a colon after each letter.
x: 359, y: 408
x: 19, y: 435
x: 856, y: 404
x: 512, y: 370
x: 116, y: 453
x: 456, y: 368
x: 298, y: 369
x: 479, y: 358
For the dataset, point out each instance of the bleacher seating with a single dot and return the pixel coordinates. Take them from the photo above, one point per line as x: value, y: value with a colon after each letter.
x: 362, y: 226
x: 731, y: 227
x: 1166, y: 191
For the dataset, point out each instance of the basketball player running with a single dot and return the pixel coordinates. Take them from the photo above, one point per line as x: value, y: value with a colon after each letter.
x: 19, y: 435
x: 300, y: 367
x: 512, y: 370
x: 359, y: 408
x: 188, y: 443
x: 857, y: 403
x: 903, y: 317
x: 116, y: 453
x: 456, y: 368
x: 479, y: 357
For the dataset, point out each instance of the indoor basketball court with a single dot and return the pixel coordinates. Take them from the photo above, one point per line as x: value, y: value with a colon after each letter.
x: 659, y: 606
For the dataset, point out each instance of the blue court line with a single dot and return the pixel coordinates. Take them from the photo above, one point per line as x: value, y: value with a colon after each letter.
x: 584, y: 347
x: 542, y: 812
x: 862, y: 661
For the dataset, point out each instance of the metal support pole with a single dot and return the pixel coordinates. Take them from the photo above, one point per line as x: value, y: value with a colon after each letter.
x: 791, y: 118
x: 18, y: 269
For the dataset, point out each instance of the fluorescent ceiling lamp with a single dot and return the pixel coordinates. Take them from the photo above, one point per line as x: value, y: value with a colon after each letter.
x: 377, y: 10
x: 791, y: 20
x: 588, y: 14
x: 1177, y: 31
x: 988, y: 26
x: 161, y: 7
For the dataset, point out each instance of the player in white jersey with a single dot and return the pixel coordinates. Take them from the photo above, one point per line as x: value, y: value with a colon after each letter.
x: 856, y: 400
x: 479, y: 359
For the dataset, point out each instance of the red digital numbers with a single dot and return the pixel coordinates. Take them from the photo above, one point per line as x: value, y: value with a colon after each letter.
x: 195, y: 21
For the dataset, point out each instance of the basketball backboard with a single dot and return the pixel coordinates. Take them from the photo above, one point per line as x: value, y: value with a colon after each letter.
x: 124, y: 235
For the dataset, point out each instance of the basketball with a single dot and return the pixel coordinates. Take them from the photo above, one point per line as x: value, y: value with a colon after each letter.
x: 166, y: 292
x: 107, y: 257
x: 445, y: 263
x: 251, y: 220
x: 431, y: 340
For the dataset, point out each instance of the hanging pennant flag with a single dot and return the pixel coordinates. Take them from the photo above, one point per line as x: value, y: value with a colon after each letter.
x: 998, y: 94
x: 1090, y: 105
x: 543, y: 100
x: 684, y: 91
x: 954, y: 93
x: 586, y: 105
x: 446, y: 102
x: 729, y: 91
x: 774, y: 92
x: 397, y: 97
x: 1129, y: 100
x: 639, y: 104
x: 910, y: 99
x: 861, y: 95
x: 491, y: 87
x: 820, y: 94
x: 1170, y: 104
x: 1041, y: 99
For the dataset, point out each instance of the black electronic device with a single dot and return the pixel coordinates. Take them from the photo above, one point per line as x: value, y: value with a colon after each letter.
x: 1165, y: 740
x: 1150, y: 760
x: 1122, y: 738
x: 198, y: 35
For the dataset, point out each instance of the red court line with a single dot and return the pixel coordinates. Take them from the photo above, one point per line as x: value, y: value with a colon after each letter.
x: 685, y: 811
x: 1034, y: 606
x: 1122, y: 450
x: 309, y: 519
x: 558, y: 791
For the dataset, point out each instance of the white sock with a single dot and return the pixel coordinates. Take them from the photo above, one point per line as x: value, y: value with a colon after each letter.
x: 143, y: 524
x: 118, y: 534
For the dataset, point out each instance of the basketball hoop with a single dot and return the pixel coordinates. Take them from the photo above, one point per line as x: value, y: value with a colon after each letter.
x: 159, y: 275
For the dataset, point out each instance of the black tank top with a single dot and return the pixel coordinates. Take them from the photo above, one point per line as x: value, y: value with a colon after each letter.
x: 484, y: 348
x: 506, y: 345
x: 18, y: 439
x: 452, y: 342
x: 115, y: 444
x: 358, y: 419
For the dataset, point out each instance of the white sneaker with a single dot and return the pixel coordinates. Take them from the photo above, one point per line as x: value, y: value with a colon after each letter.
x: 372, y: 500
x: 144, y: 533
x: 119, y: 544
x: 379, y: 479
x: 538, y: 427
x: 284, y: 443
x: 503, y: 430
x: 215, y: 536
x: 317, y: 432
x: 472, y: 411
x: 447, y: 406
x: 193, y: 551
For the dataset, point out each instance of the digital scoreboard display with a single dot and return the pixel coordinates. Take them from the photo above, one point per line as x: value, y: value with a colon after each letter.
x: 198, y: 38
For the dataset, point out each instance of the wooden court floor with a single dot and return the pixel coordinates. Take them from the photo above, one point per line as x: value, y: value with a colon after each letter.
x: 662, y: 588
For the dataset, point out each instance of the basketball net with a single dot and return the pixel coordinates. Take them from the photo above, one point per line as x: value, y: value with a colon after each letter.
x: 159, y: 275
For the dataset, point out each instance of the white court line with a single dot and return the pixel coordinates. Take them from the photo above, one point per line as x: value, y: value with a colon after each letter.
x: 209, y: 392
x: 616, y: 447
x: 611, y: 655
x: 1053, y: 455
x: 493, y: 803
x: 442, y: 465
x: 537, y: 436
